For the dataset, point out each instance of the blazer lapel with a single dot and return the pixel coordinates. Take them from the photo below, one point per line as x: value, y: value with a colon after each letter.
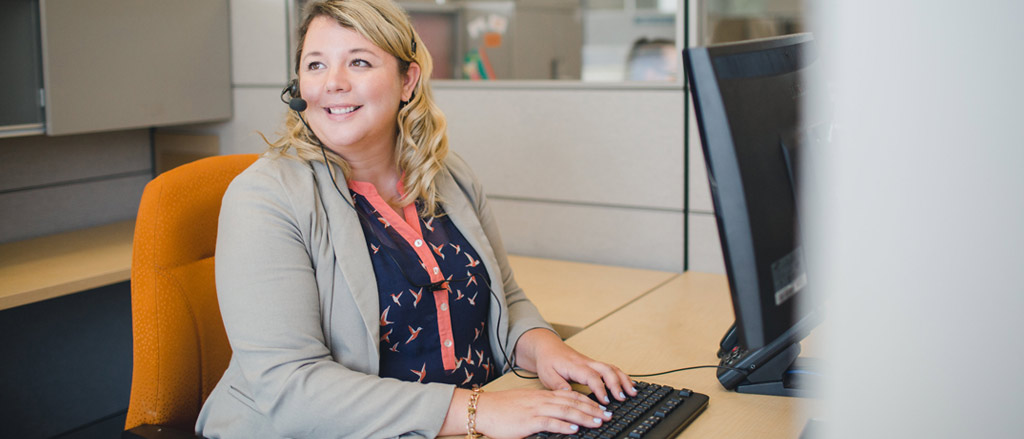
x: 349, y: 246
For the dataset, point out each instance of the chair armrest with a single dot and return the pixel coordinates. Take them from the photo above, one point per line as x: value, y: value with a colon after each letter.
x: 149, y: 431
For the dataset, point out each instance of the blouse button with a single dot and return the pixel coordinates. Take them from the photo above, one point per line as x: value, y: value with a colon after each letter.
x: 437, y: 270
x: 444, y: 307
x: 447, y: 343
x: 419, y: 243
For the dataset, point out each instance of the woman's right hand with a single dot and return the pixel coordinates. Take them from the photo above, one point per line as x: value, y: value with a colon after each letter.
x: 522, y: 412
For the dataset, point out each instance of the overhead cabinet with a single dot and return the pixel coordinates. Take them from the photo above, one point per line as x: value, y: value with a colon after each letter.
x: 119, y: 64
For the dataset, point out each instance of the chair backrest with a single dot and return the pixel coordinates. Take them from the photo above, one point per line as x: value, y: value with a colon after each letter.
x: 180, y: 347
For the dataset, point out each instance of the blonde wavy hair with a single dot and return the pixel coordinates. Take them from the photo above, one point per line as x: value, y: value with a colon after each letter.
x: 422, y: 129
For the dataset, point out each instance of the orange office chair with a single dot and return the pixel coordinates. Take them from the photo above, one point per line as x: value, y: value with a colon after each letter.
x: 180, y: 347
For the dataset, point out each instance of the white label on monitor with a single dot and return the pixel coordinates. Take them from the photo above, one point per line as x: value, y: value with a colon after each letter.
x: 788, y: 276
x: 781, y: 296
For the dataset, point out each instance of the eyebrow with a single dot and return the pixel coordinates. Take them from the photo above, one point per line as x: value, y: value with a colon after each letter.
x: 352, y: 51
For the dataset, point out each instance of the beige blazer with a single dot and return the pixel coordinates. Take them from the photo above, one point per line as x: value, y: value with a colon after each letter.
x: 300, y: 306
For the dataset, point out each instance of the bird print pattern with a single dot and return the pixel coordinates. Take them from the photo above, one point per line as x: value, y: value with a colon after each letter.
x: 410, y: 337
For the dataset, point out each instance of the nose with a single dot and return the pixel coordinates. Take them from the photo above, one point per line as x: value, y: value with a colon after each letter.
x: 337, y: 80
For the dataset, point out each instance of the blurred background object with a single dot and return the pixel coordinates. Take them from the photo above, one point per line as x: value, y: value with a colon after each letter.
x: 588, y: 40
x: 723, y: 21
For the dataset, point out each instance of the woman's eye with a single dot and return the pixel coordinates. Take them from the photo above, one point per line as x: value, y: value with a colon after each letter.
x: 315, y: 65
x: 360, y: 63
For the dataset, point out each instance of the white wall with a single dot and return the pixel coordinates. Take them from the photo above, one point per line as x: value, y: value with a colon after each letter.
x: 918, y: 220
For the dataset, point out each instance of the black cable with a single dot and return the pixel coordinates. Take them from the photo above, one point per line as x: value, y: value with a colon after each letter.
x: 435, y: 286
x: 744, y: 372
x: 501, y: 346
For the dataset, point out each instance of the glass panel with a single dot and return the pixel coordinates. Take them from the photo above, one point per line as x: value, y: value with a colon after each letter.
x: 627, y: 40
x: 588, y: 40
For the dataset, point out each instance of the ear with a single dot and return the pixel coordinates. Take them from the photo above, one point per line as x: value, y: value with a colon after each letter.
x: 412, y: 77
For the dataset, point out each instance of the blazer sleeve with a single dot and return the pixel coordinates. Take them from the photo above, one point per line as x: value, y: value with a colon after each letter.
x: 270, y: 303
x: 522, y: 313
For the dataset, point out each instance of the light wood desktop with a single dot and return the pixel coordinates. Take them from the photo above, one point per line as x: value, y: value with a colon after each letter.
x: 37, y: 269
x: 574, y: 295
x: 680, y: 324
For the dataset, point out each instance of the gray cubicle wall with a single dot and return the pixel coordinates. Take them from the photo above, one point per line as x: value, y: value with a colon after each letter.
x: 67, y: 366
x: 580, y: 172
x: 56, y: 184
x: 590, y: 174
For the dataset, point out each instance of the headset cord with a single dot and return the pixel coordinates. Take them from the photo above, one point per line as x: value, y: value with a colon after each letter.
x: 438, y: 285
x: 432, y: 286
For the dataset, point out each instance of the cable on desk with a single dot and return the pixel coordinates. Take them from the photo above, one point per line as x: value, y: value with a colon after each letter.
x: 645, y: 375
x: 744, y: 372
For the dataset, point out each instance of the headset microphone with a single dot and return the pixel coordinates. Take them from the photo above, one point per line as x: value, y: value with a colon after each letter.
x: 297, y: 104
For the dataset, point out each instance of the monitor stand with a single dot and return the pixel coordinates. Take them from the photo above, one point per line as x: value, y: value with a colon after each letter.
x: 786, y: 374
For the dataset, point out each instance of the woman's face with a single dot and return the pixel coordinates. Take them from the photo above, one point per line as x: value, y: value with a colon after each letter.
x: 352, y: 88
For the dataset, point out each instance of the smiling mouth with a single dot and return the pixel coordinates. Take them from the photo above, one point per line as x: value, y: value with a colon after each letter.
x: 343, y: 110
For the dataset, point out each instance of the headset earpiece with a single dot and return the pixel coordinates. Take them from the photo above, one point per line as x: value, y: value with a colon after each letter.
x: 292, y: 90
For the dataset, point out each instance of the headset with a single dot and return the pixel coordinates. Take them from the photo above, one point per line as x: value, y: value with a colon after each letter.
x: 295, y: 103
x: 298, y: 105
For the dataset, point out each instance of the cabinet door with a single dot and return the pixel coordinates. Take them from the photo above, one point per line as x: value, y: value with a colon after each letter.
x: 117, y: 64
x: 21, y: 110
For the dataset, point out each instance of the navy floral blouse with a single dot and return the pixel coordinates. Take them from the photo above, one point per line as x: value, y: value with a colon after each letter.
x: 434, y: 295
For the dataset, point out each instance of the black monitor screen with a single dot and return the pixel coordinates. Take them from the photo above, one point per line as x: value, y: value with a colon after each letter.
x: 748, y: 97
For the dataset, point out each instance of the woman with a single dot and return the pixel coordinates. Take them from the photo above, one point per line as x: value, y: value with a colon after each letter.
x: 373, y: 310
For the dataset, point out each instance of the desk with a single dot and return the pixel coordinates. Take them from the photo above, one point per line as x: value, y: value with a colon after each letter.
x: 680, y: 324
x: 558, y: 288
x: 37, y: 269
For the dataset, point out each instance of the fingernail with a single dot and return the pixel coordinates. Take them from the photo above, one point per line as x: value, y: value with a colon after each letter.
x: 622, y: 395
x: 634, y: 390
x: 574, y: 427
x: 607, y: 413
x: 603, y: 407
x: 597, y: 420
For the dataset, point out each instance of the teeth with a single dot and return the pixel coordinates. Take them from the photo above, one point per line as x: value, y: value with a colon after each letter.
x: 342, y: 110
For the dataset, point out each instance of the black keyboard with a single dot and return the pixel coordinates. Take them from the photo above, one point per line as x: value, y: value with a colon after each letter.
x: 656, y: 411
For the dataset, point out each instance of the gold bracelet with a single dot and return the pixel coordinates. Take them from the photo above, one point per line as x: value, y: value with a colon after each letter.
x: 471, y: 414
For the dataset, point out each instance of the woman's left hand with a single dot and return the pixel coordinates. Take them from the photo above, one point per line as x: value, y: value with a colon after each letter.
x: 556, y: 364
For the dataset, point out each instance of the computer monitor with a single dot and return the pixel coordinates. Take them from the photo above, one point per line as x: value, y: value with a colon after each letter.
x: 748, y: 97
